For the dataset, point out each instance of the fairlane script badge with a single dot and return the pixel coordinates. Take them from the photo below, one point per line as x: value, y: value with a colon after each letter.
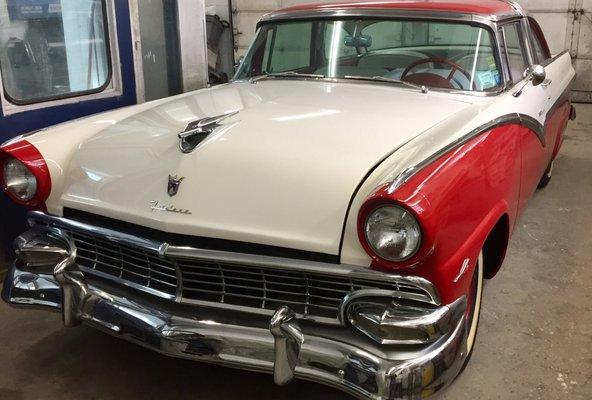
x: 158, y: 206
x: 173, y: 185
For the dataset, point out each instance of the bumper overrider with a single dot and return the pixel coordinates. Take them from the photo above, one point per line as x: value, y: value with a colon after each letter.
x: 385, y: 346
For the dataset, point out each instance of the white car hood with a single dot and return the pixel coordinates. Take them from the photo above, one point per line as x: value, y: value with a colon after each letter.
x: 281, y: 172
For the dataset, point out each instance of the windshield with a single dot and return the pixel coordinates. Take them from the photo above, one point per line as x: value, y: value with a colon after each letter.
x: 445, y: 55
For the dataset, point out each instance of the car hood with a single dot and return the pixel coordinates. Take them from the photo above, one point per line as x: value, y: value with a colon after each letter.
x: 280, y: 172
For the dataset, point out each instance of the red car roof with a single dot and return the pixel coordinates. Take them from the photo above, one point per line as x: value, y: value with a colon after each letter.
x: 483, y: 7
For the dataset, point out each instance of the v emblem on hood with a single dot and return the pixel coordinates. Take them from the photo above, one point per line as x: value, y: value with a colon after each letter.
x: 198, y: 130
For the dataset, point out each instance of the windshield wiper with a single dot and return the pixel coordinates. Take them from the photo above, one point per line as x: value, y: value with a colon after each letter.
x: 423, y: 88
x: 287, y: 74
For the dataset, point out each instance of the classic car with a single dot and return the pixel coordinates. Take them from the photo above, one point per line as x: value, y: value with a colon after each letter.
x: 330, y: 214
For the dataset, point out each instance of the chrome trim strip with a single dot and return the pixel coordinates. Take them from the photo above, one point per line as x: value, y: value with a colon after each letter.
x: 127, y: 283
x: 385, y: 13
x: 555, y: 57
x: 118, y: 237
x: 507, y: 119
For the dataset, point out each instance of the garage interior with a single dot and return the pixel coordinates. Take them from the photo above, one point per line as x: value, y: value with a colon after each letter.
x: 536, y: 323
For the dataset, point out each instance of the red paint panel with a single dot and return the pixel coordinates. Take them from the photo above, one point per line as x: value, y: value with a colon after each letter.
x: 457, y: 199
x: 34, y: 161
x: 483, y: 7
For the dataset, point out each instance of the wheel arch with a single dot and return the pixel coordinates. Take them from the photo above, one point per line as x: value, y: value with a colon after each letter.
x: 495, y: 246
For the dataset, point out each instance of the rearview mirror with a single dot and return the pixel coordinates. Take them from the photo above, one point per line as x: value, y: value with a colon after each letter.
x: 358, y: 41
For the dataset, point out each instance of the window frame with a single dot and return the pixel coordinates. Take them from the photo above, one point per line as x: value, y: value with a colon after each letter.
x: 526, y: 48
x: 536, y: 33
x: 492, y: 28
x: 112, y: 87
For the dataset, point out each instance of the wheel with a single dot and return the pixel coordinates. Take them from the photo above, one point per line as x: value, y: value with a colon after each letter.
x: 474, y: 308
x: 547, y: 176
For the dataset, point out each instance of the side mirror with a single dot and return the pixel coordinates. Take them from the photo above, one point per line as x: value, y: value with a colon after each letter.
x: 238, y: 63
x: 537, y: 74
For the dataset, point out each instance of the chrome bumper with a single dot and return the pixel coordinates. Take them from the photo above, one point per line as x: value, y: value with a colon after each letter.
x: 341, y: 357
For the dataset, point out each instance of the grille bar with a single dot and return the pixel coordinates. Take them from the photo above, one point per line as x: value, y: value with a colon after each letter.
x: 228, y: 280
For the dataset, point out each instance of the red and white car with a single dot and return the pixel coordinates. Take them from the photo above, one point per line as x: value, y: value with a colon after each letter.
x: 329, y: 215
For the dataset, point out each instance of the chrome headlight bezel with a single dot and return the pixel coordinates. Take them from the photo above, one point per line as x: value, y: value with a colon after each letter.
x: 408, y: 219
x: 14, y: 185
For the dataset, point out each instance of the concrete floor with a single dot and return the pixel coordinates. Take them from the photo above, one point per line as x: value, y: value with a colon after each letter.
x: 535, y: 337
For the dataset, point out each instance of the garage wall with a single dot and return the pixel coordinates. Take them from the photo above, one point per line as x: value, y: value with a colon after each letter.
x: 567, y: 25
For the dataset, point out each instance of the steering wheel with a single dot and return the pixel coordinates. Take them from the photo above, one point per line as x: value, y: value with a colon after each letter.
x: 435, y: 79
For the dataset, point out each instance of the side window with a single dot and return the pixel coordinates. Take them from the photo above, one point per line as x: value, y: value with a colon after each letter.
x: 515, y: 52
x: 537, y: 49
x: 290, y: 49
x: 51, y: 49
x: 539, y: 44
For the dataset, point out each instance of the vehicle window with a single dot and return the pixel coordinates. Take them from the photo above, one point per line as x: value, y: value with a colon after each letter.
x: 53, y: 49
x: 335, y: 46
x: 289, y: 48
x: 514, y: 48
x: 537, y: 49
x: 539, y: 46
x: 447, y: 55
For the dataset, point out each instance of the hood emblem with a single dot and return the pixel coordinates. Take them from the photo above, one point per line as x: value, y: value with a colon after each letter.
x: 158, y: 206
x: 173, y: 185
x: 197, y: 131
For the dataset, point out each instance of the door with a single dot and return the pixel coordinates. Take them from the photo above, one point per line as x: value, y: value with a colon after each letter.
x: 542, y: 106
x: 60, y: 60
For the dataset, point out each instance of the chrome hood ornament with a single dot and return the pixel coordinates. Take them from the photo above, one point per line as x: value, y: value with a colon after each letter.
x: 173, y: 185
x: 198, y: 130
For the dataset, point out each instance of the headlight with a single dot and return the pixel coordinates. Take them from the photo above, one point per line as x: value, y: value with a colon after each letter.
x: 19, y: 181
x: 393, y: 233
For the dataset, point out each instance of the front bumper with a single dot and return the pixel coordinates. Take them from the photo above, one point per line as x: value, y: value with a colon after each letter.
x: 341, y: 357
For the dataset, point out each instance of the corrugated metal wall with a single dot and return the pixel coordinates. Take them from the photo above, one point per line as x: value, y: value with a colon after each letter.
x: 567, y: 25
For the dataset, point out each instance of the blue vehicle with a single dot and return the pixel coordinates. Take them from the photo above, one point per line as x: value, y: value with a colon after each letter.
x: 60, y: 60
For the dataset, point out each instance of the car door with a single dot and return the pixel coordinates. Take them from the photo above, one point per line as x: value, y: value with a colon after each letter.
x: 533, y: 102
x: 556, y: 87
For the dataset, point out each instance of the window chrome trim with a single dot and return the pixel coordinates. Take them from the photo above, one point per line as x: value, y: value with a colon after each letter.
x: 486, y: 22
x: 386, y: 13
x: 112, y: 89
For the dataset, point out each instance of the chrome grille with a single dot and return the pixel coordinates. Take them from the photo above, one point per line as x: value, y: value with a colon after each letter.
x: 231, y: 282
x: 131, y: 264
x: 306, y: 293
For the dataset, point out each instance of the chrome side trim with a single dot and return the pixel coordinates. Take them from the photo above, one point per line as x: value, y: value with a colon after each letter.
x: 507, y: 119
x: 555, y: 57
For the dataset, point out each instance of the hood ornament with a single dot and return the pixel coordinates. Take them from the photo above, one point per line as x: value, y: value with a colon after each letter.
x: 198, y: 130
x: 173, y: 185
